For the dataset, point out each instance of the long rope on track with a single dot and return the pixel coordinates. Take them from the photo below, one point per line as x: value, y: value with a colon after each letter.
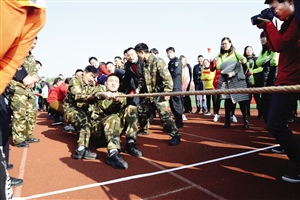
x: 253, y: 90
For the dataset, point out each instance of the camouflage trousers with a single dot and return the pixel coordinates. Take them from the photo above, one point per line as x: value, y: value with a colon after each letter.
x: 80, y: 120
x: 145, y: 110
x: 23, y: 108
x: 112, y: 126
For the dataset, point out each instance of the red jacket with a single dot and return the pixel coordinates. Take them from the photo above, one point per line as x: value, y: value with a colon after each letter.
x: 286, y: 42
x: 57, y: 93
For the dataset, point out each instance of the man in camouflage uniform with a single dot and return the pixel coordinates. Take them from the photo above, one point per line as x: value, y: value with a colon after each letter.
x: 111, y: 117
x: 154, y: 76
x: 22, y: 104
x: 76, y: 106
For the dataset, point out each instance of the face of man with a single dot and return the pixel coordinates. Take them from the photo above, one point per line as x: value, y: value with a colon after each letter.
x: 132, y: 56
x: 43, y: 79
x: 95, y: 63
x: 88, y: 77
x: 78, y: 73
x: 112, y: 83
x: 118, y: 62
x: 200, y: 60
x: 38, y: 66
x: 171, y: 54
x: 282, y: 10
x: 110, y: 67
x: 33, y: 45
x: 141, y: 55
x: 61, y: 76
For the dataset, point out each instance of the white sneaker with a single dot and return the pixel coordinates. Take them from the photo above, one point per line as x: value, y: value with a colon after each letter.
x: 216, y: 118
x: 233, y: 119
x: 207, y: 114
x: 184, y: 117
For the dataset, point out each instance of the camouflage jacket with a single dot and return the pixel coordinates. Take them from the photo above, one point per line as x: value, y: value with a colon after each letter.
x: 78, y: 93
x: 105, y: 107
x: 154, y: 76
x: 18, y: 87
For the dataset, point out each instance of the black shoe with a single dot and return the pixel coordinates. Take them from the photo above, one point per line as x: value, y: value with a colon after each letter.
x: 33, y: 140
x: 226, y: 125
x: 131, y: 149
x: 85, y: 154
x: 174, y: 140
x: 179, y: 125
x: 142, y: 132
x: 16, y: 181
x: 9, y: 166
x: 246, y: 124
x: 22, y: 145
x: 116, y: 161
x: 292, y: 177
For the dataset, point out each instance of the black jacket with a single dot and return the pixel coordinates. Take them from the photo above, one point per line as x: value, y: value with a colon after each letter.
x: 175, y: 68
x: 130, y: 79
x: 197, y: 74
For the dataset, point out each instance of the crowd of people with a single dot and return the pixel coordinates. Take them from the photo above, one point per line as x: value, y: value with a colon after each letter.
x: 91, y: 103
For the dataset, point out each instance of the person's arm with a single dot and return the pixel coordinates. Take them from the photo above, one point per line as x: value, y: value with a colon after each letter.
x: 77, y: 92
x: 165, y: 75
x: 274, y: 59
x: 280, y: 42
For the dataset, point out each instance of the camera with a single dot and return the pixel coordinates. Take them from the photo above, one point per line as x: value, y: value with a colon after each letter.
x: 266, y: 14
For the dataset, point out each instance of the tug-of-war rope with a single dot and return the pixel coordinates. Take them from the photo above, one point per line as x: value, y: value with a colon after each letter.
x: 256, y: 90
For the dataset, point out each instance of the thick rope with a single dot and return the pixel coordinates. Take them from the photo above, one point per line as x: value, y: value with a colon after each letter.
x: 256, y: 90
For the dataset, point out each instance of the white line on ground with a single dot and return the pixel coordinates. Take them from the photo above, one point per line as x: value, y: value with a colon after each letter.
x: 146, y: 174
x: 18, y: 190
x: 202, y: 189
x: 167, y: 193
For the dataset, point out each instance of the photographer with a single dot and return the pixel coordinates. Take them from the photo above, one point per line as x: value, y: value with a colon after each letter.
x: 286, y: 42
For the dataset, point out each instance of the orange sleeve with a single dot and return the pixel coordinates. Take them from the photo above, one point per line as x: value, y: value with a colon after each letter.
x: 19, y: 26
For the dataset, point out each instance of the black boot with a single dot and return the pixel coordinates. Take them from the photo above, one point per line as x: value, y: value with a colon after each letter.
x: 227, y: 124
x: 246, y: 124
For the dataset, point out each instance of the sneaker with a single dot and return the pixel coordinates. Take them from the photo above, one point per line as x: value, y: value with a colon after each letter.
x: 142, y: 132
x: 85, y: 154
x: 233, y: 119
x: 174, y: 140
x: 116, y: 161
x: 278, y: 150
x: 292, y: 177
x: 291, y: 120
x: 216, y: 118
x: 68, y: 128
x: 207, y: 114
x: 184, y: 117
x: 131, y: 149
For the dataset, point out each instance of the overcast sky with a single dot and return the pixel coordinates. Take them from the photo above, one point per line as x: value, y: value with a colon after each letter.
x: 76, y: 30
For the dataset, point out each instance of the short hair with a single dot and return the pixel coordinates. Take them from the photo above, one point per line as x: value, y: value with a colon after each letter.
x: 67, y: 81
x: 109, y: 62
x: 91, y: 69
x: 262, y: 34
x: 200, y: 56
x: 60, y: 75
x: 112, y: 74
x: 170, y: 49
x: 141, y: 47
x: 125, y: 51
x: 91, y: 58
x: 78, y: 70
x: 56, y: 80
x: 118, y: 57
x: 38, y: 62
x: 130, y: 48
x: 154, y: 50
x: 36, y: 37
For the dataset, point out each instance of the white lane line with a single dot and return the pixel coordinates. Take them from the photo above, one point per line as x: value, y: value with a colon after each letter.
x: 167, y: 193
x: 18, y: 190
x: 207, y: 138
x: 145, y: 175
x: 202, y: 189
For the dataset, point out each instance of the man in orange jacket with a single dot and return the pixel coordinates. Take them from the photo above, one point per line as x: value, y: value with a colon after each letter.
x: 20, y: 22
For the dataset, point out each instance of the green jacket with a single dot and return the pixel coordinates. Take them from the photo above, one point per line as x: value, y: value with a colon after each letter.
x: 154, y: 76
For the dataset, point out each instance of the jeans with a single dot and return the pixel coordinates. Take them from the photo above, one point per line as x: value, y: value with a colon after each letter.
x: 281, y: 109
x: 36, y: 102
x: 199, y: 87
